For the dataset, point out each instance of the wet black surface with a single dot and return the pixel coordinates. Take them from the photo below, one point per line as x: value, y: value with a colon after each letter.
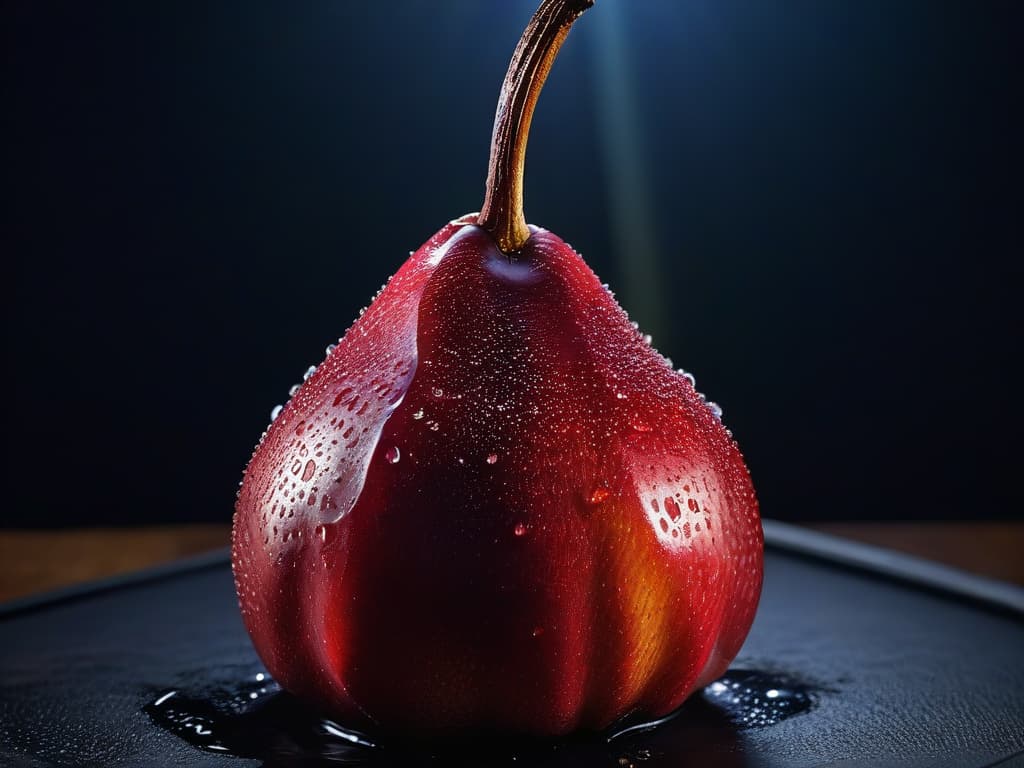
x: 840, y: 668
x: 254, y: 718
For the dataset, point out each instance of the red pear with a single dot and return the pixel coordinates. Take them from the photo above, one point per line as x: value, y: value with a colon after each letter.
x: 494, y: 504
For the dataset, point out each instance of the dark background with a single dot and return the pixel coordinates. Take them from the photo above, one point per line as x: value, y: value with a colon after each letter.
x: 815, y: 207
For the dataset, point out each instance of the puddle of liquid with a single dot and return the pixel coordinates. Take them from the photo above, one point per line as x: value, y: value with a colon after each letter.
x: 754, y: 699
x: 256, y: 719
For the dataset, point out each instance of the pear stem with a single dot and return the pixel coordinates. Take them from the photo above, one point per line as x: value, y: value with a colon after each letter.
x: 502, y: 213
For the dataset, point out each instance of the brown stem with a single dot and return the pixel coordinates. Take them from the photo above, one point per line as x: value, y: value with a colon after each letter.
x: 502, y: 214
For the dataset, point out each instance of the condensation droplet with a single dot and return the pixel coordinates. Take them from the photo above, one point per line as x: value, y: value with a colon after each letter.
x: 716, y: 409
x: 492, y: 458
x: 309, y: 372
x: 689, y: 377
x: 437, y: 392
x: 672, y: 508
x: 294, y: 390
x: 276, y: 412
x: 639, y: 425
x: 621, y: 395
x: 418, y: 414
x: 599, y: 495
x: 520, y: 529
x: 393, y: 455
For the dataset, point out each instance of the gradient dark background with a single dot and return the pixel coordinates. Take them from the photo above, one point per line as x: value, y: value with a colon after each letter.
x: 814, y: 207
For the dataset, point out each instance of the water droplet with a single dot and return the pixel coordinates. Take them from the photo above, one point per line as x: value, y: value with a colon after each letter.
x: 648, y: 339
x: 309, y: 372
x: 294, y: 390
x: 716, y: 409
x: 393, y: 455
x: 599, y: 495
x: 330, y: 348
x: 492, y: 458
x: 520, y: 529
x: 276, y: 412
x: 639, y: 425
x: 437, y: 392
x: 621, y: 395
x: 689, y: 377
x: 418, y: 414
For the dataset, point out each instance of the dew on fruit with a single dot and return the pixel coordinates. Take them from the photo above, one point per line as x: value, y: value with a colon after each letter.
x: 672, y: 508
x: 418, y: 414
x: 330, y: 348
x: 599, y: 495
x: 715, y: 408
x: 276, y: 412
x: 309, y: 372
x: 294, y: 390
x: 492, y: 458
x: 393, y: 455
x: 688, y: 376
x: 639, y: 425
x: 520, y: 529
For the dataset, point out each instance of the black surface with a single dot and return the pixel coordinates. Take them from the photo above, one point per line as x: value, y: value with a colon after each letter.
x: 903, y: 676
